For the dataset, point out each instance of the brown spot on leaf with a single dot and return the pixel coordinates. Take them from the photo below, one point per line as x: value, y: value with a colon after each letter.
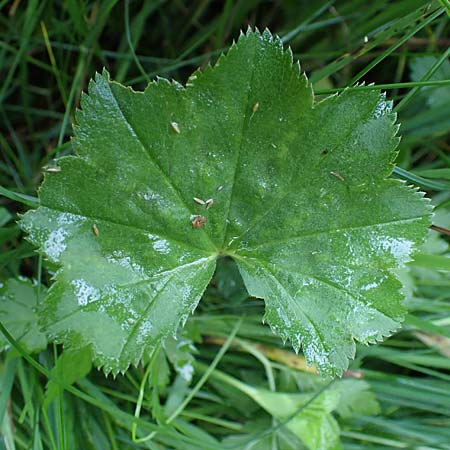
x: 198, y: 222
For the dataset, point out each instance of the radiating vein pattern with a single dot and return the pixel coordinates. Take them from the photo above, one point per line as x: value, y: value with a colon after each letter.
x: 295, y: 191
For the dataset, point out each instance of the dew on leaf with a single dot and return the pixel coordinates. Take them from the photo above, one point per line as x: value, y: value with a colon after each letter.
x: 144, y: 331
x: 369, y: 286
x: 152, y: 196
x: 186, y: 343
x: 183, y: 320
x: 186, y: 371
x: 125, y: 261
x: 400, y: 248
x: 383, y: 107
x: 284, y: 317
x: 186, y: 294
x: 161, y: 170
x: 84, y: 292
x: 130, y: 321
x: 55, y: 243
x: 161, y: 246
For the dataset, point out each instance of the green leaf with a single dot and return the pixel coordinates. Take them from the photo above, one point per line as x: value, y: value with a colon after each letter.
x: 71, y: 366
x: 313, y: 423
x: 419, y: 67
x: 300, y: 201
x: 180, y: 354
x: 429, y: 112
x: 228, y: 283
x: 355, y: 398
x: 307, y: 415
x: 18, y: 302
x: 5, y: 216
x: 160, y: 378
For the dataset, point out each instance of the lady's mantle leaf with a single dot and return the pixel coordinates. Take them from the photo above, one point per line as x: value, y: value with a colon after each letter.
x: 299, y: 197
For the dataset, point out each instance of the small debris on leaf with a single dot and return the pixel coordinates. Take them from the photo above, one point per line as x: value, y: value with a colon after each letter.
x: 255, y: 107
x: 209, y: 203
x: 175, y: 127
x: 52, y: 169
x: 337, y: 175
x: 199, y: 222
x: 95, y: 230
x: 199, y: 201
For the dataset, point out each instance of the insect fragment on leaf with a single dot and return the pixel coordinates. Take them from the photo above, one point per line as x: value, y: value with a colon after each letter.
x: 254, y: 109
x: 337, y: 175
x: 199, y: 201
x: 175, y: 127
x: 198, y: 222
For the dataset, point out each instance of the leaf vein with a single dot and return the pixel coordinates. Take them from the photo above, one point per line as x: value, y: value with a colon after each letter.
x: 146, y: 280
x: 315, y: 327
x: 165, y: 176
x: 292, y: 187
x: 337, y: 230
x: 138, y: 322
x: 244, y: 127
x: 133, y: 227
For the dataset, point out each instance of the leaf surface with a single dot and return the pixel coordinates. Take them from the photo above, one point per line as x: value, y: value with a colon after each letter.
x: 309, y: 418
x: 356, y: 398
x: 18, y: 303
x: 300, y: 201
x: 71, y: 366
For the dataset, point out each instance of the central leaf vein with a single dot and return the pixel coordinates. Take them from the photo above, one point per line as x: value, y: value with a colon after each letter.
x: 166, y: 178
x: 245, y: 123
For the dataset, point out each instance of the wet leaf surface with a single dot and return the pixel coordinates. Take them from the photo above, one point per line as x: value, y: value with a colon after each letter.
x: 295, y: 192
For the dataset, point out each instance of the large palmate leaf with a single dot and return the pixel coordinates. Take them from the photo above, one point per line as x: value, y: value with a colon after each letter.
x: 299, y: 194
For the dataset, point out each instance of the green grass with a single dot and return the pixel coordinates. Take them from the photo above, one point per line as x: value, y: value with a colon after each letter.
x: 48, y: 52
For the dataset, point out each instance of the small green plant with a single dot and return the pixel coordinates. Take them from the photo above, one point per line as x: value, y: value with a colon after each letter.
x: 241, y: 162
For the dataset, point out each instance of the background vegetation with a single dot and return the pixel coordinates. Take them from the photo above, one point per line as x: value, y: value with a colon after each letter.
x: 396, y: 393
